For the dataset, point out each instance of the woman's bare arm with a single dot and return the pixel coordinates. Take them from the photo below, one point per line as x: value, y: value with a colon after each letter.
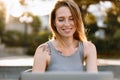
x: 41, y: 58
x: 90, y: 56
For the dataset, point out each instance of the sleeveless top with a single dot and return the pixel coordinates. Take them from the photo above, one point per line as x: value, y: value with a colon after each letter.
x: 59, y: 62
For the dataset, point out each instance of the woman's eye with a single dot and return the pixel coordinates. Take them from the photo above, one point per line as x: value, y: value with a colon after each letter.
x: 71, y: 18
x: 60, y: 20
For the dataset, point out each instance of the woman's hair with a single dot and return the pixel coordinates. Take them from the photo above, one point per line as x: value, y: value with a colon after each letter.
x: 75, y: 11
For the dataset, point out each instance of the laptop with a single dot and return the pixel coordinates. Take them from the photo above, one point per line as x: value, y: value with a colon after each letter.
x: 66, y: 76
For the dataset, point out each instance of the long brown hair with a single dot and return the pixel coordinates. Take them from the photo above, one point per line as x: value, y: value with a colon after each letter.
x: 79, y: 33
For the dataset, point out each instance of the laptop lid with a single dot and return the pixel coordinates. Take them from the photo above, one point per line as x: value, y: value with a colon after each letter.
x: 66, y: 76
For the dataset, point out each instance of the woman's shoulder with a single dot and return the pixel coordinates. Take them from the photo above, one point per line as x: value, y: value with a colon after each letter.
x: 89, y: 47
x: 88, y: 44
x: 43, y: 45
x: 43, y: 48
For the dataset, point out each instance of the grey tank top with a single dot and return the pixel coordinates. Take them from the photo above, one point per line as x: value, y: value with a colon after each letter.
x: 59, y: 62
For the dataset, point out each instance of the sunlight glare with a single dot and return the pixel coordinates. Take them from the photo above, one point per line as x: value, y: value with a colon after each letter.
x: 12, y: 8
x: 100, y: 8
x: 17, y: 62
x: 37, y: 7
x: 41, y: 7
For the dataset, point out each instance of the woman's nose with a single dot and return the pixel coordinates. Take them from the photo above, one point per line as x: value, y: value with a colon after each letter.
x: 67, y: 23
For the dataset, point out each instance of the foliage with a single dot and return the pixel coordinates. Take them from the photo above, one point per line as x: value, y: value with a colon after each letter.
x: 37, y: 39
x: 35, y: 24
x: 89, y: 18
x: 113, y: 29
x: 2, y: 19
x: 110, y: 44
x: 2, y: 27
x: 13, y: 38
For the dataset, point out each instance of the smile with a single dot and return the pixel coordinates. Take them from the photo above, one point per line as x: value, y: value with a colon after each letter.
x: 67, y: 30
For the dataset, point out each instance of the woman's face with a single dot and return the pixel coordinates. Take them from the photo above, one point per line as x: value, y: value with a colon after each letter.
x: 64, y: 22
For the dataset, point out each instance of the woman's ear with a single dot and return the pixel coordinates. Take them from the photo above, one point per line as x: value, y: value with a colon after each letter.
x: 54, y: 24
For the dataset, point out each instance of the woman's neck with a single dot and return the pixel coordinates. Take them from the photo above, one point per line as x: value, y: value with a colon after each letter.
x: 69, y: 47
x: 68, y: 42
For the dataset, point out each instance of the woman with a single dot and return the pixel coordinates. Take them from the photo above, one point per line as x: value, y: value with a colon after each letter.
x: 69, y: 48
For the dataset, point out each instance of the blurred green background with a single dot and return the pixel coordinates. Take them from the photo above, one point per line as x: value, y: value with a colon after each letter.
x: 101, y: 19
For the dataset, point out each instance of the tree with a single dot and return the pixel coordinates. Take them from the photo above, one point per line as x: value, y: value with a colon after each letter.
x: 35, y: 24
x: 110, y: 44
x: 2, y: 19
